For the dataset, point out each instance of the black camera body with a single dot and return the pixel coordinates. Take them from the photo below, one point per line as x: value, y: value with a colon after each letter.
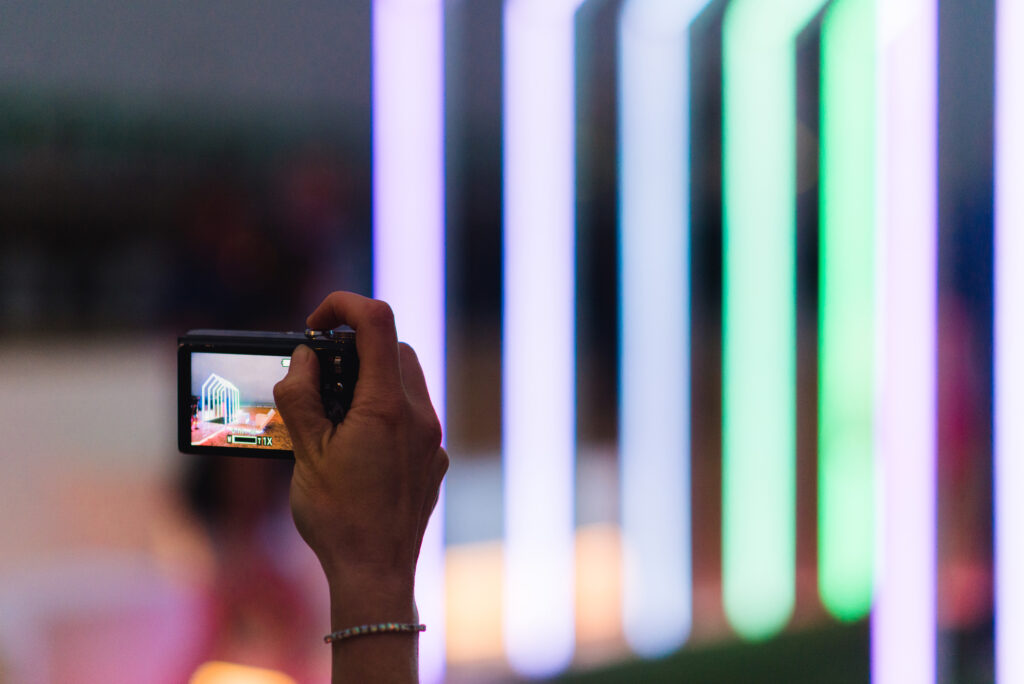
x: 226, y: 380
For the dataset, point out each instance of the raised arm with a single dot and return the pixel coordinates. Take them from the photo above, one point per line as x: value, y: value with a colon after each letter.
x: 363, y: 491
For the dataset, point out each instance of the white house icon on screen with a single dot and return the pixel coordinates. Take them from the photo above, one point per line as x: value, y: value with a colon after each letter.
x: 219, y: 400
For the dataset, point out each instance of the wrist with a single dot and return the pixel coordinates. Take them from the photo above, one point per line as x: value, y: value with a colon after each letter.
x: 363, y: 596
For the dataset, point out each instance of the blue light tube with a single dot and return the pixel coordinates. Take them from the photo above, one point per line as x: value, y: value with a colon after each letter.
x: 654, y: 381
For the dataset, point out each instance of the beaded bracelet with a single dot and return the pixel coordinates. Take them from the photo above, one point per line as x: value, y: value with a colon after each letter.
x: 381, y: 628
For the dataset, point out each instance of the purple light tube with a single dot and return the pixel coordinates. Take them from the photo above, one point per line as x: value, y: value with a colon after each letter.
x: 1009, y: 342
x: 903, y: 621
x: 539, y: 359
x: 409, y: 238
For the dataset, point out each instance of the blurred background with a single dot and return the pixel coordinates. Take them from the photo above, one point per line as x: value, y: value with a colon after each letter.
x: 167, y: 166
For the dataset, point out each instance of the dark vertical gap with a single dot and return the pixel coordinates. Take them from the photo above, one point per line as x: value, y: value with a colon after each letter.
x: 360, y: 146
x: 454, y: 177
x: 706, y: 312
x: 808, y: 108
x: 965, y: 308
x: 473, y: 65
x: 596, y: 222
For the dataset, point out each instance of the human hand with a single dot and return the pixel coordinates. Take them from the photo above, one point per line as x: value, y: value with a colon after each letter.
x: 363, y: 491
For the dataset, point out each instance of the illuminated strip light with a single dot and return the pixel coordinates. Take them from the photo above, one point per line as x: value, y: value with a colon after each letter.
x: 654, y: 369
x: 409, y: 237
x: 846, y: 484
x: 759, y: 300
x: 903, y: 621
x: 538, y: 431
x: 1009, y: 343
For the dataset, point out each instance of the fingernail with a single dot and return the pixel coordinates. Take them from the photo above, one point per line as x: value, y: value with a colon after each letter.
x: 301, y: 354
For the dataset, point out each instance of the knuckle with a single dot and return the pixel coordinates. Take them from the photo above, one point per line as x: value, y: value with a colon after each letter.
x: 334, y: 297
x: 442, y: 461
x: 405, y: 349
x: 433, y: 433
x: 380, y: 314
x: 280, y: 391
x: 391, y: 409
x: 285, y: 392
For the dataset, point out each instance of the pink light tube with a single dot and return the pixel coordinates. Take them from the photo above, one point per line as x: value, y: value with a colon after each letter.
x: 1009, y: 342
x: 408, y: 236
x: 539, y: 359
x: 903, y: 621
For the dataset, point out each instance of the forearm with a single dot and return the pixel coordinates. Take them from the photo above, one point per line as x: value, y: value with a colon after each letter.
x: 371, y: 600
x: 363, y: 489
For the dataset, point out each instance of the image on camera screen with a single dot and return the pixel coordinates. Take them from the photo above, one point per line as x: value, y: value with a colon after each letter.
x: 232, y: 402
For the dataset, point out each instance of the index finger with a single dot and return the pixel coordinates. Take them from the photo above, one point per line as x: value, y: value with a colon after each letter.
x: 376, y: 338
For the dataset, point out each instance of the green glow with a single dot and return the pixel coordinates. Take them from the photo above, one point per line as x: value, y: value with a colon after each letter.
x: 846, y: 355
x: 759, y: 336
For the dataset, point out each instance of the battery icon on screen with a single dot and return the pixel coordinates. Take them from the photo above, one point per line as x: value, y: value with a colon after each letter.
x: 242, y: 439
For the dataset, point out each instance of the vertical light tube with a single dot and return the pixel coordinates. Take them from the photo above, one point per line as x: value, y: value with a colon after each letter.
x: 409, y: 238
x: 654, y: 406
x: 759, y: 300
x: 1009, y: 343
x: 846, y: 524
x: 903, y: 621
x: 538, y: 379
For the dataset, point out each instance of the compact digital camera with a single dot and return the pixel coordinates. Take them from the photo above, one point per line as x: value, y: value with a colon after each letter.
x: 226, y: 384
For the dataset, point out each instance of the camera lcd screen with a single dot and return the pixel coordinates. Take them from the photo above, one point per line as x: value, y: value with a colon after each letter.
x: 232, y: 401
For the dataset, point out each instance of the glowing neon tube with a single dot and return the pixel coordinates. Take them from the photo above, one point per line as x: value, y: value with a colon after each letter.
x: 1009, y: 343
x: 846, y: 524
x: 759, y: 300
x: 408, y: 236
x: 654, y: 405
x: 538, y: 380
x: 903, y: 620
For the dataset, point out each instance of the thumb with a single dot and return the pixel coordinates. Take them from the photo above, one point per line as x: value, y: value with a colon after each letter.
x: 297, y: 397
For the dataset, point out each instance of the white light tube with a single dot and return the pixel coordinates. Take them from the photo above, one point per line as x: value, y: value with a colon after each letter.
x: 1009, y: 343
x: 903, y: 621
x: 539, y: 359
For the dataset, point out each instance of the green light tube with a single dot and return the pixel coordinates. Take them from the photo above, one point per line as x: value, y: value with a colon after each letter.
x: 846, y: 371
x: 759, y: 336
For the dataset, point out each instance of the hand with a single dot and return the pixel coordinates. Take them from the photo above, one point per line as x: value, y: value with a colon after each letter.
x: 363, y: 491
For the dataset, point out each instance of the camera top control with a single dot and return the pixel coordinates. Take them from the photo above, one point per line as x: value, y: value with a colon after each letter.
x: 339, y: 367
x: 335, y: 387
